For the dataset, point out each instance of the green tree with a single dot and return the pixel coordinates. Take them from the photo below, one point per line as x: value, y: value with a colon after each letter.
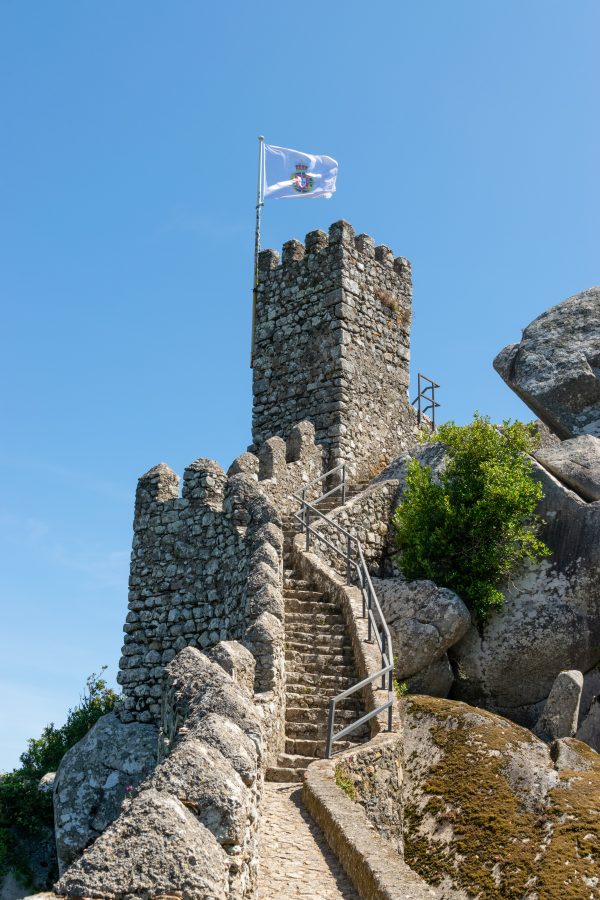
x: 24, y: 809
x: 473, y: 526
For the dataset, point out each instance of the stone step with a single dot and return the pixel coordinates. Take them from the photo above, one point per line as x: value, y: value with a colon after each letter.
x: 322, y: 619
x: 302, y: 715
x: 284, y: 774
x: 294, y: 761
x: 299, y: 631
x: 318, y: 643
x: 321, y: 701
x: 304, y: 593
x: 303, y: 731
x: 294, y: 604
x: 320, y: 662
x: 312, y: 748
x: 346, y: 672
x: 336, y: 683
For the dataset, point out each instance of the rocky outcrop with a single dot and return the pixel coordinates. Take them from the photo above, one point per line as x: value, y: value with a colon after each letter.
x: 488, y: 812
x: 561, y: 711
x: 191, y: 828
x: 156, y: 847
x: 555, y: 367
x: 424, y: 622
x: 550, y: 621
x: 589, y: 731
x: 94, y: 778
x: 576, y: 463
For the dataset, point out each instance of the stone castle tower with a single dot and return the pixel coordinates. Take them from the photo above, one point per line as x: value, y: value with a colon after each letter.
x: 333, y: 346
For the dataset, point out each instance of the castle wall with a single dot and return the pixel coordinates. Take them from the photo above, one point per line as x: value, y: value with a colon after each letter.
x: 205, y: 567
x: 333, y: 345
x: 285, y: 469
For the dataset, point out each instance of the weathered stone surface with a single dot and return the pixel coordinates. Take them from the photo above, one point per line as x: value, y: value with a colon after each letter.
x: 424, y: 620
x: 490, y: 813
x: 550, y: 621
x: 555, y: 367
x: 561, y: 712
x: 93, y: 779
x: 571, y: 755
x: 332, y: 346
x: 576, y: 463
x: 195, y: 686
x: 237, y: 662
x: 156, y: 847
x: 589, y: 731
x: 211, y: 767
x: 591, y: 690
x: 206, y: 782
x: 436, y: 679
x: 224, y: 735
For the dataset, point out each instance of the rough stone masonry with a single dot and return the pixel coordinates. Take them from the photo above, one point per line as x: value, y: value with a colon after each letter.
x: 333, y: 346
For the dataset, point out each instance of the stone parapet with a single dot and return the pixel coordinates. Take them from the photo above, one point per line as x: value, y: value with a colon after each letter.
x: 365, y: 844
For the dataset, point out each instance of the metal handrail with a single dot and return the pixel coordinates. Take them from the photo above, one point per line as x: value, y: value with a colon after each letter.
x: 341, y: 467
x: 422, y: 395
x: 369, y: 601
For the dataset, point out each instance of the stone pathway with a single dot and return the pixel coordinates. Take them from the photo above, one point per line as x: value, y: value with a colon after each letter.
x: 295, y: 860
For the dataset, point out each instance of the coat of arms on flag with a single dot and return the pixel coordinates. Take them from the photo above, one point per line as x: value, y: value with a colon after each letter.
x: 302, y: 181
x: 291, y: 173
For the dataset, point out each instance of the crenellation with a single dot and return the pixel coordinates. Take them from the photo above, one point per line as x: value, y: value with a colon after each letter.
x: 204, y: 483
x: 384, y: 255
x: 365, y: 246
x: 292, y: 252
x: 271, y: 458
x: 316, y: 241
x: 157, y: 485
x: 267, y: 260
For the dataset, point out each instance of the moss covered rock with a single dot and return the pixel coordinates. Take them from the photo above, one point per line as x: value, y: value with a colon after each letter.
x: 488, y: 811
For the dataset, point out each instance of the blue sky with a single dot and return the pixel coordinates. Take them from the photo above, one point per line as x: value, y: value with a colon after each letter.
x: 468, y: 139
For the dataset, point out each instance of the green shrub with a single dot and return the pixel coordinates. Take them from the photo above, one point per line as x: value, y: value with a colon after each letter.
x: 472, y: 528
x: 24, y: 809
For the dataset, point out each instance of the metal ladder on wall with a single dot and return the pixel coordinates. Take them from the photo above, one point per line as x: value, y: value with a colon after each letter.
x: 357, y: 573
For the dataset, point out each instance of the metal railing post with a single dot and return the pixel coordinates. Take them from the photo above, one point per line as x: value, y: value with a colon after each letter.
x: 390, y: 689
x: 330, y: 718
x: 348, y: 561
x: 303, y: 509
x: 344, y: 485
x: 369, y: 614
x: 425, y: 399
x: 383, y: 656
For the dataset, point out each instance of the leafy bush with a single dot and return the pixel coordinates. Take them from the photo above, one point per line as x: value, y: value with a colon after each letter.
x: 470, y: 529
x: 24, y: 809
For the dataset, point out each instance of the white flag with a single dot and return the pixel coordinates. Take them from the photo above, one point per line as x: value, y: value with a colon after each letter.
x: 289, y: 173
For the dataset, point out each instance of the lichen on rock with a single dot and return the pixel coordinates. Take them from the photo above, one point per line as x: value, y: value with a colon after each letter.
x: 488, y: 813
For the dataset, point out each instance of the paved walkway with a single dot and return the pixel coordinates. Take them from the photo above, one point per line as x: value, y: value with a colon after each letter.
x: 295, y: 860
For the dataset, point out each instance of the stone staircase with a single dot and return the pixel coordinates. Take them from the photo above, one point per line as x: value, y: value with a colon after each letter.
x: 319, y: 664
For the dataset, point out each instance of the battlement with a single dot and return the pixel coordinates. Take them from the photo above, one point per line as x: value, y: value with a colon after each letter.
x: 332, y: 346
x: 316, y: 242
x: 282, y: 467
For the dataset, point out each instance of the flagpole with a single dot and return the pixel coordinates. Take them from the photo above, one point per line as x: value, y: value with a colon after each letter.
x: 259, y: 206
